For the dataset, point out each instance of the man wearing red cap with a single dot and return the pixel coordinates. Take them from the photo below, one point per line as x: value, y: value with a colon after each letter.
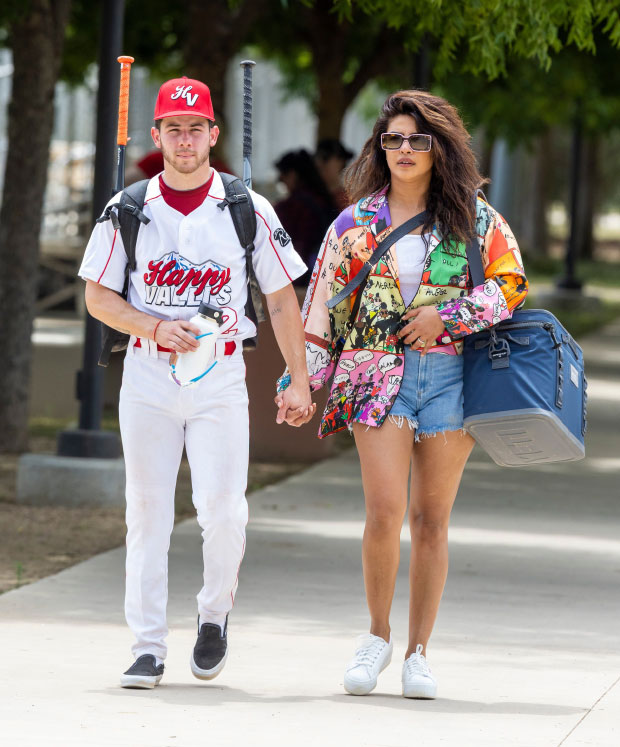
x: 188, y: 253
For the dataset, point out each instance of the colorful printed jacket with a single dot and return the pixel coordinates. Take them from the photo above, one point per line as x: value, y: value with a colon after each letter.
x: 369, y: 371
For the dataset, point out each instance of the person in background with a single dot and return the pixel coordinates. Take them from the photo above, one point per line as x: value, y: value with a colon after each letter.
x: 308, y: 209
x: 331, y: 157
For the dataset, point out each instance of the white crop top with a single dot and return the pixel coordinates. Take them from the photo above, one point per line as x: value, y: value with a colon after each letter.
x: 410, y: 255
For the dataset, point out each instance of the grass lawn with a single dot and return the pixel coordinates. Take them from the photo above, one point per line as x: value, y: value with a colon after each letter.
x: 601, y: 280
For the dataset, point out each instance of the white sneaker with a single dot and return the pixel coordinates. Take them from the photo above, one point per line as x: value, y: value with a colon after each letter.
x: 418, y: 682
x: 372, y: 656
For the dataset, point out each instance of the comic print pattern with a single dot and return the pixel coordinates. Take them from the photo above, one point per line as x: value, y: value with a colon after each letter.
x: 505, y: 286
x: 368, y: 373
x: 365, y: 384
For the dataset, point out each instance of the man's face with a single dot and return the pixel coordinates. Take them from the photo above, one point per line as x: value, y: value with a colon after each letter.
x: 185, y: 141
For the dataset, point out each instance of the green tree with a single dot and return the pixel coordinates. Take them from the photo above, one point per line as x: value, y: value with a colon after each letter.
x: 483, y: 37
x: 580, y: 90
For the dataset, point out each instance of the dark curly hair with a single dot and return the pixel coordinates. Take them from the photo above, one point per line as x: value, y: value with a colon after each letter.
x: 455, y: 176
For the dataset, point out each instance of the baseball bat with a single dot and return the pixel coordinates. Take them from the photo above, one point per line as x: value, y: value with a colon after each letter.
x: 247, y: 66
x: 123, y: 116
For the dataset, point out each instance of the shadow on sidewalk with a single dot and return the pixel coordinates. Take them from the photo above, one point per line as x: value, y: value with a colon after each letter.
x: 200, y: 696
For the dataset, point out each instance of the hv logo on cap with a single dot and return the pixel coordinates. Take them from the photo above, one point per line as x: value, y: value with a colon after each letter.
x: 183, y: 92
x: 184, y: 96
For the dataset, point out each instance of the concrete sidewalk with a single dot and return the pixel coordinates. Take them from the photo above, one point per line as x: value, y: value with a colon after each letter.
x: 526, y: 648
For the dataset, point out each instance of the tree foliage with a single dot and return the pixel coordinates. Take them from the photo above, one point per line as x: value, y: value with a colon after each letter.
x: 325, y: 47
x: 153, y: 34
x: 482, y: 36
x: 526, y: 103
x: 328, y: 49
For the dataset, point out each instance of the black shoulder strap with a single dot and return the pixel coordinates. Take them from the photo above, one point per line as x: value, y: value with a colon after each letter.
x: 378, y: 253
x: 126, y: 216
x: 239, y: 201
x: 130, y: 216
x: 474, y: 259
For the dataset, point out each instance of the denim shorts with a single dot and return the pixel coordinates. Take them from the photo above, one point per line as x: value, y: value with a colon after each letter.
x: 430, y: 398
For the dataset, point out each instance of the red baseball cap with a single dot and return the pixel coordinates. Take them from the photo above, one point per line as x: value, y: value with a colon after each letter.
x: 184, y: 96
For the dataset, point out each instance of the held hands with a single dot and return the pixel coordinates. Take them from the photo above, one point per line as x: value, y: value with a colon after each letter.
x: 178, y: 335
x: 424, y: 327
x: 295, y: 405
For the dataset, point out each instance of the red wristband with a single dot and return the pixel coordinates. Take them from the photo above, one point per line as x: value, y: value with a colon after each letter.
x: 155, y: 330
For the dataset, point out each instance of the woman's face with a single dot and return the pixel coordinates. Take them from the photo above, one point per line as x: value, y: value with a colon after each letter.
x: 406, y: 165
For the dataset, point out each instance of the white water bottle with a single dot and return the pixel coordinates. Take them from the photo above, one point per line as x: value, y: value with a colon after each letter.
x: 186, y: 369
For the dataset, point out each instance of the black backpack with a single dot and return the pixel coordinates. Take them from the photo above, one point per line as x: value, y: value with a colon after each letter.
x: 126, y: 216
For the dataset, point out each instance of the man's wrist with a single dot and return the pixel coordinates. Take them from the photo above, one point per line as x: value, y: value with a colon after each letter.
x: 154, y: 332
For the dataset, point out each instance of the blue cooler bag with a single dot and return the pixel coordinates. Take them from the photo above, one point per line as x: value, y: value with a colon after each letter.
x: 525, y: 390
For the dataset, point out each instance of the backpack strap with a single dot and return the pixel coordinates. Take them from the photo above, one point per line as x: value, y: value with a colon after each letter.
x: 126, y: 215
x: 130, y: 216
x: 239, y: 201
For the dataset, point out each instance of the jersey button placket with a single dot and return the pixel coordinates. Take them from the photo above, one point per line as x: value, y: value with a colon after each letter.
x: 185, y: 233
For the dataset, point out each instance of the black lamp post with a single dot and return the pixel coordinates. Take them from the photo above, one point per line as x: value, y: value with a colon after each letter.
x: 88, y: 440
x: 569, y: 281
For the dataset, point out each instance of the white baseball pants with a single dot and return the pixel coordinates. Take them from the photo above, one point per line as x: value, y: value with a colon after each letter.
x: 157, y: 419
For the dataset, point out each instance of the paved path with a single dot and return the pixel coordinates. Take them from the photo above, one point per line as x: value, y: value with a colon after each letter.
x: 526, y: 647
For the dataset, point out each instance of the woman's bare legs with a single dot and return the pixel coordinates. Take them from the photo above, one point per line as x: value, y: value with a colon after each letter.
x: 437, y: 467
x: 385, y: 457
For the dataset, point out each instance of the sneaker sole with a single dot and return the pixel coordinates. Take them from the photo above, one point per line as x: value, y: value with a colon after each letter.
x: 139, y: 682
x: 421, y: 692
x: 207, y: 674
x: 357, y: 688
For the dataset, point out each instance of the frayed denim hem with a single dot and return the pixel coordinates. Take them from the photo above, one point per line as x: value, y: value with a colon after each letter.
x: 432, y: 434
x: 400, y: 420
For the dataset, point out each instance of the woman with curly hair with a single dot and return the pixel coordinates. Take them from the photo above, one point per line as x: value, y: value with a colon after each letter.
x: 392, y: 349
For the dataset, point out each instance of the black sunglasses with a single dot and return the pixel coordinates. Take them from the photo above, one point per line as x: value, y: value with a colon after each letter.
x: 417, y: 142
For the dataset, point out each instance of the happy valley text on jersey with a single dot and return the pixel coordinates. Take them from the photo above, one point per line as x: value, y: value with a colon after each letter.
x: 174, y: 281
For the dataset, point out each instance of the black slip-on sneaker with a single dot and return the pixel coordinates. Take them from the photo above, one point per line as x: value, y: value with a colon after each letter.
x: 210, y: 652
x: 143, y: 674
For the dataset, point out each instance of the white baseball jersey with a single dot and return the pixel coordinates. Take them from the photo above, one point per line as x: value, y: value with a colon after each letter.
x: 183, y: 260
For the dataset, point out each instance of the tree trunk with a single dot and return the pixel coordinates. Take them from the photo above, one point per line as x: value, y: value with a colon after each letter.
x: 584, y: 240
x: 36, y: 40
x: 330, y: 43
x: 540, y: 243
x: 333, y: 100
x: 486, y: 154
x: 534, y: 193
